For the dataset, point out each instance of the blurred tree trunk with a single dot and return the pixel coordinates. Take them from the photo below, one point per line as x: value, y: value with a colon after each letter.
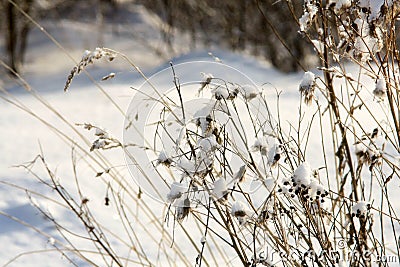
x: 239, y: 25
x: 100, y: 9
x: 242, y: 24
x: 11, y: 37
x: 24, y: 31
x: 17, y: 28
x: 169, y: 7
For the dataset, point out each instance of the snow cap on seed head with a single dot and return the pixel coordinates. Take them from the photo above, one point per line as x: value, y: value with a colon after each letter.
x: 307, y: 87
x: 240, y: 211
x: 302, y: 174
x: 249, y: 91
x: 360, y: 209
x: 176, y: 191
x: 380, y: 88
x: 220, y: 189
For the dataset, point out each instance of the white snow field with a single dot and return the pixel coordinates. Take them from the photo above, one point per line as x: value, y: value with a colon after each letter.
x: 43, y: 121
x: 28, y: 238
x: 24, y: 136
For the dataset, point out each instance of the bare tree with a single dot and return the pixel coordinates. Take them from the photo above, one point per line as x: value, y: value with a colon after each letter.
x: 17, y: 30
x: 265, y: 27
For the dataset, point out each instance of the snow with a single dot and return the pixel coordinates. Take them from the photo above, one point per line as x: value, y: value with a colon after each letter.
x: 308, y: 80
x: 208, y: 144
x: 342, y: 4
x: 239, y: 209
x: 220, y: 188
x: 308, y: 16
x: 177, y: 189
x: 302, y: 174
x: 221, y: 93
x: 23, y: 137
x: 360, y: 209
x: 307, y: 86
x: 249, y: 91
x: 380, y: 88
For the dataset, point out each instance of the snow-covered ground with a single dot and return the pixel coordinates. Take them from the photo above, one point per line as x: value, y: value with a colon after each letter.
x: 46, y: 69
x: 23, y: 137
x: 25, y: 133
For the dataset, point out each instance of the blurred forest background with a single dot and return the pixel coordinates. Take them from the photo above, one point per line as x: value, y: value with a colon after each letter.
x: 263, y: 28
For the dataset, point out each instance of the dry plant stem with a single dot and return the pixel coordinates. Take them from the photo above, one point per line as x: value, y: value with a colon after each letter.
x: 42, y: 234
x: 392, y: 49
x: 99, y: 226
x: 149, y: 213
x: 178, y: 89
x: 334, y: 106
x: 210, y: 244
x: 290, y: 213
x: 92, y: 230
x: 31, y: 192
x: 391, y: 104
x: 128, y: 228
x: 101, y: 161
x: 48, y: 35
x: 200, y: 256
x: 276, y: 33
x: 227, y: 222
x: 43, y: 251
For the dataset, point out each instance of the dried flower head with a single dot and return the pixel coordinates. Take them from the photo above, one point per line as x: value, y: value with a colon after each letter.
x: 380, y: 88
x: 220, y: 190
x: 207, y: 78
x: 308, y: 16
x: 164, y: 159
x: 239, y: 210
x: 360, y: 209
x: 307, y: 87
x: 260, y: 145
x: 183, y: 209
x: 176, y: 191
x: 88, y: 58
x: 249, y: 92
